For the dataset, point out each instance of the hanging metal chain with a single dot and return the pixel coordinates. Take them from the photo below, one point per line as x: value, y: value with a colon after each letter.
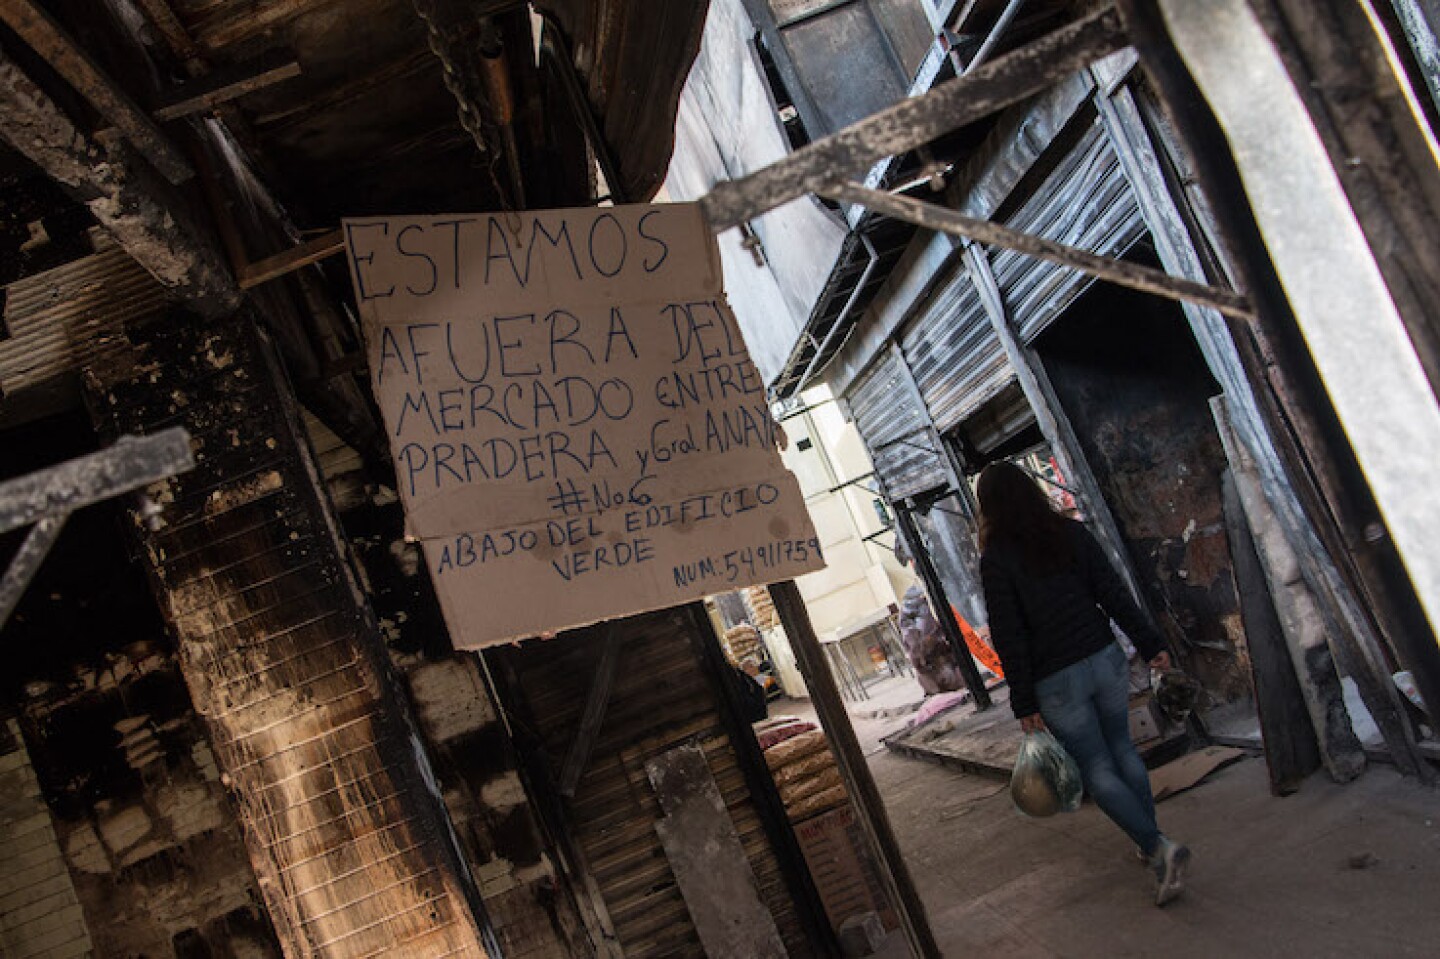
x: 460, y: 79
x: 440, y: 42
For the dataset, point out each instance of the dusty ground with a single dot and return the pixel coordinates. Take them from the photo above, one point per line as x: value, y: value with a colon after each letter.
x: 1331, y: 871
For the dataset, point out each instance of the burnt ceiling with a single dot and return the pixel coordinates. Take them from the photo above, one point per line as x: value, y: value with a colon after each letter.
x: 358, y: 107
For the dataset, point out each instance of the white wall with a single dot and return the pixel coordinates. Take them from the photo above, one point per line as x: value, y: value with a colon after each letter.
x: 726, y: 128
x: 862, y: 576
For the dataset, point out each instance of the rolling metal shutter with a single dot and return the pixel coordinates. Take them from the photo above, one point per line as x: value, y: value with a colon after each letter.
x: 660, y: 700
x: 905, y: 453
x: 1084, y: 202
x: 954, y: 353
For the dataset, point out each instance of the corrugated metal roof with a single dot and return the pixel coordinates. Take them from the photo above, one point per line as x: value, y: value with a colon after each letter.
x: 954, y: 353
x: 902, y: 446
x: 58, y: 320
x: 1085, y: 202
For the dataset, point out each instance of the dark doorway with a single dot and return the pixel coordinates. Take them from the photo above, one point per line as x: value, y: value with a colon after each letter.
x: 1135, y: 386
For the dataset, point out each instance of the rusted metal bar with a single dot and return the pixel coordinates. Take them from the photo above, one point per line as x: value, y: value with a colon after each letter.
x: 222, y: 86
x: 133, y: 462
x: 59, y: 49
x: 1132, y: 275
x: 918, y: 120
x: 26, y: 562
x: 312, y: 251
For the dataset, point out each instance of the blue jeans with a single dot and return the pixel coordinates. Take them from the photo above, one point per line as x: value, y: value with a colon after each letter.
x: 1086, y: 706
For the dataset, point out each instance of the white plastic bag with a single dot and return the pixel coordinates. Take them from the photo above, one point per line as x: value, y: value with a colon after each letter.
x: 1046, y: 780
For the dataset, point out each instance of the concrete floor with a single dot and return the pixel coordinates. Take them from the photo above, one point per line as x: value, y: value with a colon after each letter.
x: 1330, y: 871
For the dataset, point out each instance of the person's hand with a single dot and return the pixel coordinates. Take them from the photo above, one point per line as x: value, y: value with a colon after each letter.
x: 1034, y: 723
x: 1161, y: 662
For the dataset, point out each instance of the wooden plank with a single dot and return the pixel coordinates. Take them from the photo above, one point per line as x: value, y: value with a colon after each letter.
x: 1291, y: 752
x: 741, y: 750
x: 918, y: 120
x: 312, y: 251
x: 59, y: 49
x: 708, y: 861
x: 228, y: 84
x: 1305, y: 626
x: 1146, y: 279
x: 595, y: 702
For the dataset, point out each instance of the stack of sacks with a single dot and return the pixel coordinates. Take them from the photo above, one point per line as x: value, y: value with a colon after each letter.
x: 762, y: 607
x: 806, y: 775
x: 777, y: 729
x: 743, y: 641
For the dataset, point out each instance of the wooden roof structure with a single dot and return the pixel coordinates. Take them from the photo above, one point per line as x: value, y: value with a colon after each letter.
x: 328, y: 108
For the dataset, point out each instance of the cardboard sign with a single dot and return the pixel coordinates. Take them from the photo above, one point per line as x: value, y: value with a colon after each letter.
x: 578, y: 431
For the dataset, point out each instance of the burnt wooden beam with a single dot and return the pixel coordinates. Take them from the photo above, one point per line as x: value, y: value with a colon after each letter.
x: 139, y: 208
x: 26, y: 562
x: 272, y: 267
x: 344, y: 826
x: 917, y: 120
x: 133, y: 462
x: 225, y: 85
x: 1132, y: 275
x: 244, y: 21
x: 57, y: 48
x: 162, y: 16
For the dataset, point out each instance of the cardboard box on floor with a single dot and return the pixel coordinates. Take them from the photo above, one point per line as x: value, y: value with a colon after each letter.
x: 845, y: 877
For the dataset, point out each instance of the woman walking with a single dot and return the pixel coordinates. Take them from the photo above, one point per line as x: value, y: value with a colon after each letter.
x: 1051, y: 594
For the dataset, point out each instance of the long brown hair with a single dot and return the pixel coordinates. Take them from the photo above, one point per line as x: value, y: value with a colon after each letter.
x: 1015, y: 513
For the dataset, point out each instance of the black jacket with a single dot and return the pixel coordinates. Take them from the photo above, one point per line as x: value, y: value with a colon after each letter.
x: 1042, y: 623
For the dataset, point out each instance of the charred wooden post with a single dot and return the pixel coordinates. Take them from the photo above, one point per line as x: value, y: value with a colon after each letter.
x: 282, y: 657
x: 1301, y: 619
x: 1291, y: 750
x: 874, y: 821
